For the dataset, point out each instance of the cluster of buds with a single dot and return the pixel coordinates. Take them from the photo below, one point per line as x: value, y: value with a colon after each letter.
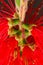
x: 17, y: 27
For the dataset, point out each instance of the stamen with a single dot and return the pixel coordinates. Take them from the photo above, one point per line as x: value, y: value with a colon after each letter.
x: 5, y: 4
x: 11, y: 4
x: 15, y: 54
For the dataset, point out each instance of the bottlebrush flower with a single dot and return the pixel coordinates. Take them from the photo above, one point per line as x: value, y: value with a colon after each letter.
x: 25, y: 54
x: 6, y: 50
x: 34, y: 14
x: 38, y: 57
x: 3, y: 28
x: 21, y: 32
x: 6, y: 9
x: 38, y: 36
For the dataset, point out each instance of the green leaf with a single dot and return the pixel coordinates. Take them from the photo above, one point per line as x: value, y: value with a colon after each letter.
x: 24, y: 42
x: 19, y: 33
x: 18, y: 2
x: 16, y: 22
x: 21, y: 42
x: 15, y: 31
x: 25, y: 26
x: 26, y: 33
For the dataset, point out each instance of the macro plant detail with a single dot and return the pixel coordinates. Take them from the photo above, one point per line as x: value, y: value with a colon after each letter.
x: 21, y: 32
